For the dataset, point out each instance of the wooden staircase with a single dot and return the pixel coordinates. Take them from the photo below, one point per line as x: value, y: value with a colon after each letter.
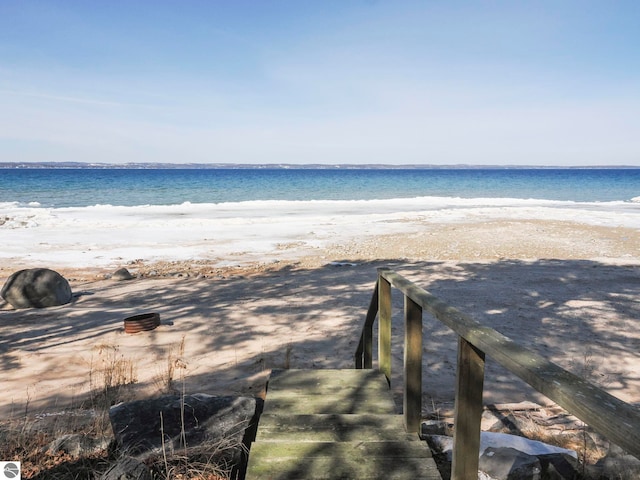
x: 335, y: 424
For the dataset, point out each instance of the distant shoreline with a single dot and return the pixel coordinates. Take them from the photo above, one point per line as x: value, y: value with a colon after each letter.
x: 290, y: 166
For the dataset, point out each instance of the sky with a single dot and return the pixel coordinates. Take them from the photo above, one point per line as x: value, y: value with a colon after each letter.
x: 553, y: 83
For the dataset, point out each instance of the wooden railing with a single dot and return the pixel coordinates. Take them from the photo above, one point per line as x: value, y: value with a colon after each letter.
x: 606, y: 414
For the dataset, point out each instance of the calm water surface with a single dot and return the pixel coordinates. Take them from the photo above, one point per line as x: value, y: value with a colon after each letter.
x: 85, y: 187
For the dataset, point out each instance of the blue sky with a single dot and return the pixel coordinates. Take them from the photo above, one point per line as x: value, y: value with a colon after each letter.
x: 345, y: 81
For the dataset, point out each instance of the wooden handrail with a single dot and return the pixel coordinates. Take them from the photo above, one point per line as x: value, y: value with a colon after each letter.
x: 606, y: 414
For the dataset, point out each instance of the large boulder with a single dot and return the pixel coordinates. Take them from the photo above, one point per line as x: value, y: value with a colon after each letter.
x: 128, y: 468
x: 164, y: 424
x: 619, y: 464
x: 510, y: 457
x: 509, y: 464
x: 78, y: 445
x: 36, y: 288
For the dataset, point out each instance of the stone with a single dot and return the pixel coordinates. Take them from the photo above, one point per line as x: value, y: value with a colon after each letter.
x: 435, y: 427
x: 559, y: 466
x: 530, y: 447
x: 509, y: 464
x: 127, y: 468
x: 122, y: 274
x: 140, y: 426
x: 78, y: 445
x: 619, y: 464
x: 554, y: 463
x: 444, y: 444
x: 441, y: 445
x: 36, y: 288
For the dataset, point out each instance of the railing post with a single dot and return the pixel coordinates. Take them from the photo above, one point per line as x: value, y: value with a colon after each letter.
x: 608, y: 415
x: 468, y: 411
x: 367, y: 334
x: 358, y: 358
x: 364, y: 352
x: 412, y: 365
x: 384, y: 327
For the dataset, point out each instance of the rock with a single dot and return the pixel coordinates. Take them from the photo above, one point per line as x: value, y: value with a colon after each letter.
x: 435, y: 427
x: 122, y: 274
x: 127, y: 468
x: 441, y: 445
x: 509, y: 464
x: 139, y: 426
x: 554, y: 462
x: 559, y: 466
x: 78, y: 445
x: 619, y: 464
x: 36, y: 288
x: 530, y: 447
x: 444, y: 444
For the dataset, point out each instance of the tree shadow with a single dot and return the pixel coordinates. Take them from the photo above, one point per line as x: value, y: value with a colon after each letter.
x: 576, y: 313
x: 580, y: 314
x: 573, y: 312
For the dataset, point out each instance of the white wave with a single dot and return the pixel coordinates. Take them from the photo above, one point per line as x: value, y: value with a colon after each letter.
x: 107, y: 234
x: 428, y: 201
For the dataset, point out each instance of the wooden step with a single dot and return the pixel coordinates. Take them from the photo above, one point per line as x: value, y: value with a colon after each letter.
x: 328, y: 391
x: 344, y: 460
x: 308, y: 404
x: 320, y: 382
x: 332, y: 428
x: 335, y: 424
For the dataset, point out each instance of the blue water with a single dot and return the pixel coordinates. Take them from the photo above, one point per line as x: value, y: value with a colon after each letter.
x: 128, y: 187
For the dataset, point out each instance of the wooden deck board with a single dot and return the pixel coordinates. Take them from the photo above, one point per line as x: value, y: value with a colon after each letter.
x: 327, y: 379
x: 304, y: 404
x: 332, y: 427
x: 344, y: 460
x: 335, y: 424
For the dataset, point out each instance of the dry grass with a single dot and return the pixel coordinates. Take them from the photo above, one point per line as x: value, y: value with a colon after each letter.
x: 207, y: 461
x: 25, y: 442
x: 110, y: 376
x: 165, y: 380
x: 27, y: 439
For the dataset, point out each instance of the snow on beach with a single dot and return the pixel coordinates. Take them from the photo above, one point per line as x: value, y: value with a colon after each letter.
x: 241, y: 232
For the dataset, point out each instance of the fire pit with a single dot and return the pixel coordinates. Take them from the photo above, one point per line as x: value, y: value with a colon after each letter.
x: 141, y: 323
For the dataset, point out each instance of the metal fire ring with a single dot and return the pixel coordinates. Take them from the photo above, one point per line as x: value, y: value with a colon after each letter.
x: 141, y: 323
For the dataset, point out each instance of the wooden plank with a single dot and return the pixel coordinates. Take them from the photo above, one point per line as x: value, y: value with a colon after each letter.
x: 352, y: 460
x: 328, y: 391
x: 388, y: 449
x: 412, y: 399
x: 606, y: 414
x: 332, y: 427
x: 327, y: 382
x: 297, y: 404
x: 384, y: 327
x: 346, y: 392
x: 468, y: 412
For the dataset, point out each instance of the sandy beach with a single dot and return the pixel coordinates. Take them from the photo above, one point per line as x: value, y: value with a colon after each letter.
x: 565, y: 289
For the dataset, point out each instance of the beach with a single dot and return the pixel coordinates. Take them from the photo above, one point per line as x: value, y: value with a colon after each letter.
x: 238, y: 178
x: 565, y: 286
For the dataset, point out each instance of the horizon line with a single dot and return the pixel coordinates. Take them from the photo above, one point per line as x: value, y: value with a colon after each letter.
x: 319, y: 166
